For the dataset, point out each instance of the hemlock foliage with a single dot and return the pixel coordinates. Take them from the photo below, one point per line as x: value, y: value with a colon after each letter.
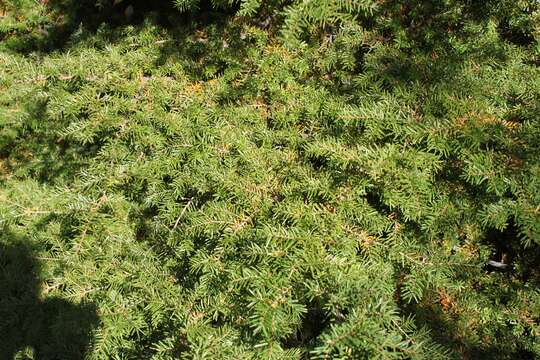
x: 270, y: 180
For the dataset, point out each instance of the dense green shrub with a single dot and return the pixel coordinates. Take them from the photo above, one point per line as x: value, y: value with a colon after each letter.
x: 301, y: 179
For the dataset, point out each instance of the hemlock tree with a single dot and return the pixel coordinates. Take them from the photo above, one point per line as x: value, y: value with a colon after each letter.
x: 248, y: 179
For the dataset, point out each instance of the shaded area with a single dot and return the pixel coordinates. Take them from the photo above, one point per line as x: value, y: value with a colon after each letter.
x: 62, y: 19
x: 523, y: 261
x: 443, y: 329
x: 314, y: 322
x: 34, y: 147
x: 52, y: 327
x: 449, y: 322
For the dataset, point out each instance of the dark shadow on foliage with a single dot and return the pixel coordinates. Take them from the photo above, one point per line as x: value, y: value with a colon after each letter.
x: 314, y: 322
x: 211, y: 47
x: 52, y: 327
x: 522, y: 262
x: 427, y: 55
x: 443, y: 330
x: 36, y: 148
x: 63, y: 18
x: 498, y: 287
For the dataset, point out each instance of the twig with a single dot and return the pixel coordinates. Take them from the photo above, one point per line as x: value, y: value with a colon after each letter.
x: 182, y: 213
